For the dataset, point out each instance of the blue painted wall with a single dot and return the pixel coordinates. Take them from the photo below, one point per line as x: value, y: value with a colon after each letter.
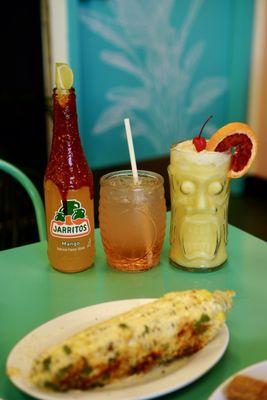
x: 165, y: 64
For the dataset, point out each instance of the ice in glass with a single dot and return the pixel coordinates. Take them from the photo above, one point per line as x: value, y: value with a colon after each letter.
x: 199, y: 202
x: 132, y: 219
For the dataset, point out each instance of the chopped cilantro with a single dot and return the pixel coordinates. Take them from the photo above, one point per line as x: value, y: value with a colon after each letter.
x: 67, y: 349
x: 87, y: 369
x: 63, y: 371
x: 200, y: 324
x: 166, y: 346
x: 204, y: 318
x: 123, y: 326
x: 50, y: 385
x: 46, y: 363
x: 146, y: 330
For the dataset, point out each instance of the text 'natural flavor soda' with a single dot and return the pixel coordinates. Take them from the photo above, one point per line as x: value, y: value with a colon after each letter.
x: 68, y: 185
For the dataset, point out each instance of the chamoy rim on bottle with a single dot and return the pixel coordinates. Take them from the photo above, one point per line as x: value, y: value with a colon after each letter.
x: 68, y: 185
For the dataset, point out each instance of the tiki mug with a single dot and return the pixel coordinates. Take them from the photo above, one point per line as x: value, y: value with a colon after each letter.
x: 199, y: 203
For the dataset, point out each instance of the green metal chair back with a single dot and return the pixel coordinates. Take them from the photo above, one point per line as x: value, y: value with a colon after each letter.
x: 32, y: 192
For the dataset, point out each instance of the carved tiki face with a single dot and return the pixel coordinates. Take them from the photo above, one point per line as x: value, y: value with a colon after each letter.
x: 199, y: 195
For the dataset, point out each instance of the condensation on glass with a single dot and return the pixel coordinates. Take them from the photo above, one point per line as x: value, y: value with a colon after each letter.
x: 132, y: 219
x: 199, y: 208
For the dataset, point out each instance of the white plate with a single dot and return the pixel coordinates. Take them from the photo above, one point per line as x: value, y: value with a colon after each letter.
x: 159, y: 381
x: 258, y: 371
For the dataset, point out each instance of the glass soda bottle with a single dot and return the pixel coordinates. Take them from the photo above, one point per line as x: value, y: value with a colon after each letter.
x: 68, y: 185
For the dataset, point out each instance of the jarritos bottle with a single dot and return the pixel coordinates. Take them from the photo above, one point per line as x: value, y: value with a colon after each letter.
x: 68, y: 185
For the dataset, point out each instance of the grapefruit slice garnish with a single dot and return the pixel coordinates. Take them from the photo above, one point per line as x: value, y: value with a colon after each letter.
x: 239, y: 138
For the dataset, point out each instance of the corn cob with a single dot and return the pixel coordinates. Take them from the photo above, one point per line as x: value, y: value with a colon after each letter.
x: 176, y: 325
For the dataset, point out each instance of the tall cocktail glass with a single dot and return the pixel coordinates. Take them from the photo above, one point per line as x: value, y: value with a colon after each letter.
x: 199, y: 203
x: 132, y: 219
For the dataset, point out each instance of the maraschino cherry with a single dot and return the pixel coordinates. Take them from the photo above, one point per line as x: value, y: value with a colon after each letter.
x: 200, y: 142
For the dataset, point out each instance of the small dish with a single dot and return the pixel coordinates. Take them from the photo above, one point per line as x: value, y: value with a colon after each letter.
x: 257, y: 371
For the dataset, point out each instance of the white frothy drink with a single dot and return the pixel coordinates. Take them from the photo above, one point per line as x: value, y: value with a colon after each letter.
x: 199, y: 203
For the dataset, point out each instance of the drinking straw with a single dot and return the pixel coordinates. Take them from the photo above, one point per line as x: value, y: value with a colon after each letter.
x: 131, y: 149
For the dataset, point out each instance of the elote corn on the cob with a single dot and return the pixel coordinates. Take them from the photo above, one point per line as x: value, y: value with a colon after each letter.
x: 178, y: 324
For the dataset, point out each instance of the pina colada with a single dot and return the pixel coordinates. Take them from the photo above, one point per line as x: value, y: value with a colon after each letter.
x: 199, y: 196
x: 199, y: 173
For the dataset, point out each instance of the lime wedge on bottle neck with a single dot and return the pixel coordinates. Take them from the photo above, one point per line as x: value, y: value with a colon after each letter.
x: 64, y: 77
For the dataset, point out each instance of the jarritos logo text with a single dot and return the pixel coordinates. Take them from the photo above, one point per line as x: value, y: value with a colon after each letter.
x: 70, y: 221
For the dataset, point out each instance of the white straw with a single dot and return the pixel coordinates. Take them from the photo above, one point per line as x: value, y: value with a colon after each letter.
x: 131, y: 149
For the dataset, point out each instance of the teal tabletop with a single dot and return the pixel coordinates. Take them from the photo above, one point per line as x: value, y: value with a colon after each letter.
x: 31, y: 293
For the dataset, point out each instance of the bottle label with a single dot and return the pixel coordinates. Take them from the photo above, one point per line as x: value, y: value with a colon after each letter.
x: 70, y: 220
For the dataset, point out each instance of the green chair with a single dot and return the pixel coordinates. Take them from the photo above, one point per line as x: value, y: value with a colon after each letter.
x: 32, y: 192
